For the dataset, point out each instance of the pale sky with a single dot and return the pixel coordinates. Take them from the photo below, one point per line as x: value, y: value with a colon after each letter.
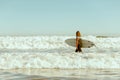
x: 63, y: 17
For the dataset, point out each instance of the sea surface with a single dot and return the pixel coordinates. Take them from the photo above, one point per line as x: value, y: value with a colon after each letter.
x: 50, y: 58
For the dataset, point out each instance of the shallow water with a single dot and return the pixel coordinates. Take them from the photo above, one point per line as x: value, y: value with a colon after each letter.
x: 60, y: 74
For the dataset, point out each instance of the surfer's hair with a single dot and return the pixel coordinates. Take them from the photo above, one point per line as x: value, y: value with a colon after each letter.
x: 78, y: 34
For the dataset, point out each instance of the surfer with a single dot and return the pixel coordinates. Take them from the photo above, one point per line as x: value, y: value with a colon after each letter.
x: 78, y: 42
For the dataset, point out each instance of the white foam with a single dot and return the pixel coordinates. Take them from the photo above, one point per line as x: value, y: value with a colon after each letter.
x: 53, y: 52
x: 55, y: 60
x: 38, y: 42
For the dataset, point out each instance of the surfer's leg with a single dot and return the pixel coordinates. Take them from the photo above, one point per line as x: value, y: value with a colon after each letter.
x: 79, y: 48
x: 76, y: 50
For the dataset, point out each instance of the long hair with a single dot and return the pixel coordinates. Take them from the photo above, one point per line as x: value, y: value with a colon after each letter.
x: 78, y: 34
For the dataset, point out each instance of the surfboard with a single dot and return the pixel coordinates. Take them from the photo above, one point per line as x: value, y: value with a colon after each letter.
x: 85, y: 43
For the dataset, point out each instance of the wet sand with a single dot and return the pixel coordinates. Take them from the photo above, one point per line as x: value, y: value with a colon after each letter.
x: 60, y: 74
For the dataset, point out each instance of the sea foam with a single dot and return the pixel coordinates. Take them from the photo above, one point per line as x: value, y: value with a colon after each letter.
x: 53, y: 52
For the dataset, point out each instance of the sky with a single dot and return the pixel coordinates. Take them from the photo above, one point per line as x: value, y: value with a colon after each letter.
x: 60, y: 17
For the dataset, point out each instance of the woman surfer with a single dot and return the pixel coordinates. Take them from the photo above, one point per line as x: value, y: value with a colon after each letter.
x: 78, y: 42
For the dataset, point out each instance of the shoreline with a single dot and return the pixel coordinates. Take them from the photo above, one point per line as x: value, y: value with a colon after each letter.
x: 65, y: 74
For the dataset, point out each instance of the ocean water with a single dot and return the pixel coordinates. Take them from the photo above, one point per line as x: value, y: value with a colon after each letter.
x: 60, y: 74
x: 51, y: 55
x: 52, y: 52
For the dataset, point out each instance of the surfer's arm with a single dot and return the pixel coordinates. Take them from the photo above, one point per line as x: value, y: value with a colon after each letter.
x: 76, y: 43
